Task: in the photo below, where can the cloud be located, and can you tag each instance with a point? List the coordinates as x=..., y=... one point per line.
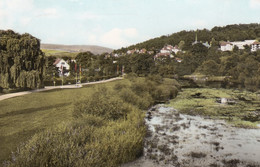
x=254, y=4
x=25, y=21
x=89, y=16
x=117, y=38
x=49, y=12
x=13, y=11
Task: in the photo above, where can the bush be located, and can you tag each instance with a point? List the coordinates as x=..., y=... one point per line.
x=129, y=96
x=102, y=104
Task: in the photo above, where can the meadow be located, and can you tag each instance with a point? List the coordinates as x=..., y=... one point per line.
x=59, y=53
x=98, y=125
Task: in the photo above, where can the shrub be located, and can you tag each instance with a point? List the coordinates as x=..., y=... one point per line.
x=102, y=104
x=129, y=96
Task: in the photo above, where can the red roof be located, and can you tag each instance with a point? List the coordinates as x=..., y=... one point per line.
x=225, y=43
x=56, y=61
x=256, y=43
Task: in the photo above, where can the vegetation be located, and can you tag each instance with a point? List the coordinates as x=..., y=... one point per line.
x=59, y=53
x=242, y=112
x=21, y=61
x=236, y=32
x=99, y=129
x=239, y=66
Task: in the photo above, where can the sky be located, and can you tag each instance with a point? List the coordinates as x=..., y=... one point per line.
x=120, y=23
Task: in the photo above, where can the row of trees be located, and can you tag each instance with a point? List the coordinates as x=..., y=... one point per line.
x=21, y=61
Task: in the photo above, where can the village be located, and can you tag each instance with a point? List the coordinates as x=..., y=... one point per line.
x=167, y=51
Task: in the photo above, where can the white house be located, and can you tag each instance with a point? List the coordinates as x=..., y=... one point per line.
x=167, y=49
x=229, y=46
x=226, y=46
x=62, y=66
x=176, y=49
x=255, y=46
x=170, y=49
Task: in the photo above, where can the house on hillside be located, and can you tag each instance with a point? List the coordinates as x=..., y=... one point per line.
x=167, y=49
x=179, y=60
x=163, y=55
x=131, y=51
x=150, y=52
x=226, y=46
x=63, y=67
x=255, y=46
x=143, y=51
x=229, y=46
x=176, y=49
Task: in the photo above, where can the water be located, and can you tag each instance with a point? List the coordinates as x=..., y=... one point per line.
x=183, y=140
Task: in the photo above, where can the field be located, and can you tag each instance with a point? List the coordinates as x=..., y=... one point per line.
x=59, y=53
x=242, y=111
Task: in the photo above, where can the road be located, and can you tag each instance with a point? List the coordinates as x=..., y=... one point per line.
x=10, y=95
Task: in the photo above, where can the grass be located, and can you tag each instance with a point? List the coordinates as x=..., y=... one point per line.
x=22, y=117
x=59, y=53
x=91, y=126
x=209, y=78
x=244, y=113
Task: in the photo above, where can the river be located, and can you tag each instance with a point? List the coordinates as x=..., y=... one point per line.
x=180, y=140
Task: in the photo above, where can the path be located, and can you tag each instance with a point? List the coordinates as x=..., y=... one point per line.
x=10, y=95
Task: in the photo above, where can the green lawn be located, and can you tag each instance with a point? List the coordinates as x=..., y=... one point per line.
x=21, y=117
x=244, y=113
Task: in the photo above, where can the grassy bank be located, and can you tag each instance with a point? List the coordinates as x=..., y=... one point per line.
x=93, y=126
x=243, y=112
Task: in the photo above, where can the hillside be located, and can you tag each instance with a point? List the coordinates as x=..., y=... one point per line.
x=77, y=48
x=235, y=32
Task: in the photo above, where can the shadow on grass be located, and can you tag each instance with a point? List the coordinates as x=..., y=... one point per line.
x=11, y=142
x=31, y=110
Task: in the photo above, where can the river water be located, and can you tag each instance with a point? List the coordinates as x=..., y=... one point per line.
x=181, y=140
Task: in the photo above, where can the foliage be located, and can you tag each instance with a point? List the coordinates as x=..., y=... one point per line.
x=21, y=61
x=107, y=129
x=235, y=32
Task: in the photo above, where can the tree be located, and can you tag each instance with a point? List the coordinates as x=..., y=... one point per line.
x=209, y=67
x=181, y=44
x=22, y=63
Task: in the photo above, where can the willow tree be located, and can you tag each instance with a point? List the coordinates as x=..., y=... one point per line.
x=21, y=61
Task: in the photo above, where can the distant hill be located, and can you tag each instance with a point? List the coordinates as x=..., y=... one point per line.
x=77, y=48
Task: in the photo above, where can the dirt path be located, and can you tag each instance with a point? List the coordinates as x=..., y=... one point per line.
x=10, y=95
